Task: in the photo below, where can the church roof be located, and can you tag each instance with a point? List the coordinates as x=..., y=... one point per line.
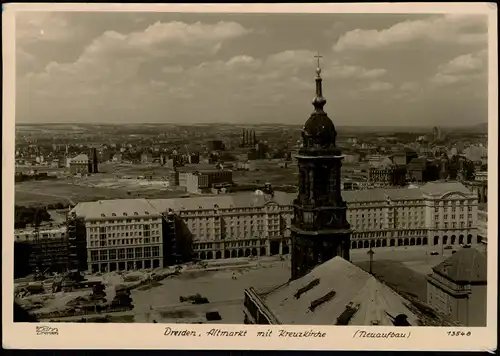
x=337, y=293
x=467, y=265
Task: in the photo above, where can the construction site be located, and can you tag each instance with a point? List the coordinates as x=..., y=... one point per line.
x=190, y=293
x=196, y=292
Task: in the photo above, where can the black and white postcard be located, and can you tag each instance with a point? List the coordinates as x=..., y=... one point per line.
x=281, y=176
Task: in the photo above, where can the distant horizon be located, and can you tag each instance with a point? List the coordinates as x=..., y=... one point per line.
x=235, y=124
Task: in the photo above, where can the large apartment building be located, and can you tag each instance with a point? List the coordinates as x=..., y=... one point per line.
x=239, y=225
x=436, y=214
x=132, y=233
x=121, y=234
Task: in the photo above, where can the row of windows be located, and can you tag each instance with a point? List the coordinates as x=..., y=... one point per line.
x=27, y=236
x=451, y=202
x=453, y=225
x=125, y=234
x=114, y=242
x=125, y=227
x=453, y=216
x=122, y=266
x=453, y=240
x=232, y=210
x=453, y=209
x=122, y=253
x=128, y=221
x=412, y=241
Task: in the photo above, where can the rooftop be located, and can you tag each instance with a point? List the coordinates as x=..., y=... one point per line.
x=440, y=188
x=199, y=167
x=82, y=157
x=467, y=265
x=141, y=206
x=119, y=207
x=381, y=194
x=337, y=293
x=154, y=207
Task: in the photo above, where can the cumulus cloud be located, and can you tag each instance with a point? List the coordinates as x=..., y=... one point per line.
x=290, y=70
x=458, y=29
x=154, y=69
x=165, y=39
x=354, y=72
x=115, y=57
x=463, y=68
x=466, y=63
x=379, y=86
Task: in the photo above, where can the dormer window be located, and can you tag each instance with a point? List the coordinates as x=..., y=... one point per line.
x=136, y=213
x=113, y=214
x=146, y=212
x=103, y=215
x=124, y=214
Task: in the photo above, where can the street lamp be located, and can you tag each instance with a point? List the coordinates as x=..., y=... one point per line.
x=371, y=253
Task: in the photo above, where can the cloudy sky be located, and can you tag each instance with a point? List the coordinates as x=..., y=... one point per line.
x=378, y=69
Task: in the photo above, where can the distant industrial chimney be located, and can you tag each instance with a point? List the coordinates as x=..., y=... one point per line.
x=93, y=161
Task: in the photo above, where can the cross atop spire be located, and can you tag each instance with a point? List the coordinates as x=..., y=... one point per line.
x=318, y=69
x=318, y=56
x=318, y=101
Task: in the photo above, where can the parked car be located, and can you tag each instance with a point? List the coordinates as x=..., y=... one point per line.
x=448, y=247
x=434, y=253
x=466, y=246
x=452, y=252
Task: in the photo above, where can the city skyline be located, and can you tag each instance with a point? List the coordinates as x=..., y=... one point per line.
x=250, y=68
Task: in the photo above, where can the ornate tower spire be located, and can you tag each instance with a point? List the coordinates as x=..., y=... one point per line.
x=320, y=230
x=319, y=102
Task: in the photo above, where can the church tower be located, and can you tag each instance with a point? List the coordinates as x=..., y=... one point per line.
x=320, y=230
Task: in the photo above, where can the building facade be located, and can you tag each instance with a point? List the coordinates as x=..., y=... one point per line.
x=457, y=287
x=45, y=250
x=80, y=164
x=437, y=214
x=198, y=181
x=387, y=176
x=229, y=226
x=121, y=235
